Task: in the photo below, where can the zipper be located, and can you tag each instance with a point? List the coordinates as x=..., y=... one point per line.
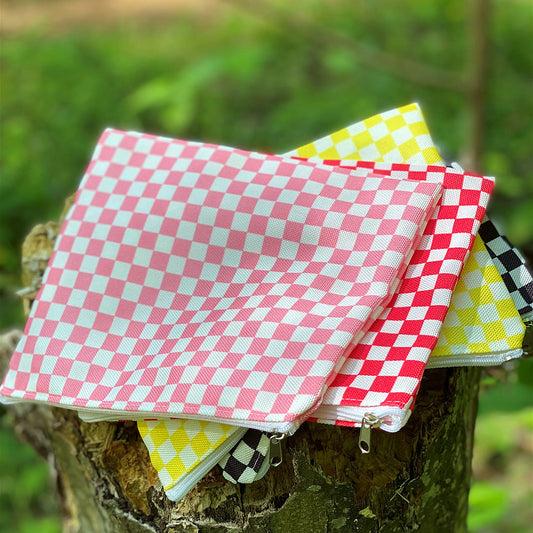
x=387, y=418
x=94, y=414
x=189, y=480
x=276, y=452
x=392, y=418
x=368, y=423
x=488, y=359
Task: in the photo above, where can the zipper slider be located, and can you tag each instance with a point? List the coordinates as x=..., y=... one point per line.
x=276, y=454
x=527, y=343
x=369, y=421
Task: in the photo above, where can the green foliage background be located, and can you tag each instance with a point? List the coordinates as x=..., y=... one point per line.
x=266, y=81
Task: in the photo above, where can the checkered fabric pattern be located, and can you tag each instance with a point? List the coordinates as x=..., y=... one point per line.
x=248, y=461
x=482, y=319
x=484, y=283
x=515, y=272
x=178, y=447
x=406, y=129
x=396, y=136
x=399, y=132
x=203, y=281
x=386, y=366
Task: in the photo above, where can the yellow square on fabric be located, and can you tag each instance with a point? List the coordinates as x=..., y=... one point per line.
x=409, y=149
x=373, y=121
x=159, y=434
x=395, y=123
x=417, y=129
x=340, y=135
x=330, y=153
x=362, y=140
x=385, y=145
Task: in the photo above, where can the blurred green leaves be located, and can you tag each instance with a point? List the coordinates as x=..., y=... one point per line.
x=501, y=495
x=488, y=505
x=26, y=503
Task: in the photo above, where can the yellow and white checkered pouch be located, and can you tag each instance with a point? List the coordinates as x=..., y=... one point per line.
x=482, y=326
x=182, y=450
x=396, y=136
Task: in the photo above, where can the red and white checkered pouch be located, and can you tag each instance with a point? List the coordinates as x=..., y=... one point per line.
x=377, y=385
x=207, y=282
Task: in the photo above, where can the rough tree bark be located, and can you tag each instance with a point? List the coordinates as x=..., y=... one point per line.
x=414, y=480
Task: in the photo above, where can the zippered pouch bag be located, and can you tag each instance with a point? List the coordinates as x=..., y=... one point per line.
x=383, y=372
x=206, y=282
x=515, y=272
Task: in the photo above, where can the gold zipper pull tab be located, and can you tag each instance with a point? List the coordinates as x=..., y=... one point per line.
x=276, y=453
x=369, y=421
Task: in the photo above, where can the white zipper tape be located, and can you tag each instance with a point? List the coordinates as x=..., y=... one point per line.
x=487, y=359
x=88, y=414
x=392, y=418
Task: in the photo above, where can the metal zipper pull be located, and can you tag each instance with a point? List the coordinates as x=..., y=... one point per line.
x=369, y=421
x=276, y=454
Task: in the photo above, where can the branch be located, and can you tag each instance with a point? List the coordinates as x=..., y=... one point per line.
x=397, y=66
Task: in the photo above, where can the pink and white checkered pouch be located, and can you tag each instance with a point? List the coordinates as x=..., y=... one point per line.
x=383, y=372
x=207, y=282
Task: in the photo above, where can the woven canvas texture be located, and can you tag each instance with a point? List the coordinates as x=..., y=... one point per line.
x=191, y=279
x=515, y=272
x=485, y=287
x=484, y=283
x=248, y=460
x=482, y=317
x=398, y=136
x=401, y=136
x=177, y=447
x=385, y=368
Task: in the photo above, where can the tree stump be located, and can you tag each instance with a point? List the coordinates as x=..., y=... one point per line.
x=416, y=479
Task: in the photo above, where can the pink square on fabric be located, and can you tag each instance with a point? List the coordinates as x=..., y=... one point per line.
x=169, y=282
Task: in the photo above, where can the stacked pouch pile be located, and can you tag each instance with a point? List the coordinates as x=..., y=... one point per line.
x=311, y=327
x=483, y=326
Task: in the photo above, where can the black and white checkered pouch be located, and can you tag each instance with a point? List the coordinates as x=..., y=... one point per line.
x=249, y=460
x=515, y=272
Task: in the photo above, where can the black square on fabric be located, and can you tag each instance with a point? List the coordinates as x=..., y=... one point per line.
x=510, y=260
x=488, y=231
